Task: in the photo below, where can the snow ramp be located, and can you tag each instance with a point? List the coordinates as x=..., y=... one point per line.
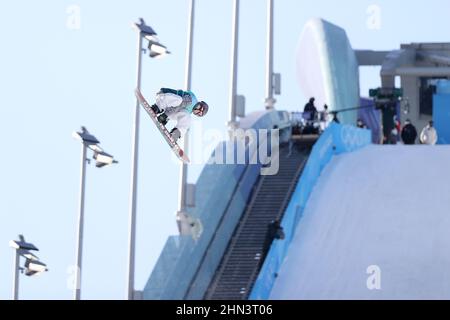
x=376, y=226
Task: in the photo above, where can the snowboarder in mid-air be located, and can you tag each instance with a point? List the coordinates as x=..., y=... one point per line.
x=178, y=105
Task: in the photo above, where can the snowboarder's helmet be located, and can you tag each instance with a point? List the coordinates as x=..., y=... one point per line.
x=200, y=109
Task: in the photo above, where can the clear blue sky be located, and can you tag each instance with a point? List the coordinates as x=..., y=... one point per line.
x=54, y=79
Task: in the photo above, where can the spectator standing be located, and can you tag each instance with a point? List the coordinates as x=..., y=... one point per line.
x=428, y=134
x=409, y=133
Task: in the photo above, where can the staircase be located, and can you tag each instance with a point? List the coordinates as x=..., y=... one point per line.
x=239, y=268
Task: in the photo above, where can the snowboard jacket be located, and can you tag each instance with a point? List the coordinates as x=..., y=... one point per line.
x=188, y=99
x=178, y=106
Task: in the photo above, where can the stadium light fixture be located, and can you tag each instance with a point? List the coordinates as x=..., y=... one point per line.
x=22, y=244
x=29, y=255
x=157, y=50
x=32, y=264
x=103, y=159
x=34, y=267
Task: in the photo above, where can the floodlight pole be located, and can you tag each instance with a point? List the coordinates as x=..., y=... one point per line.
x=15, y=291
x=269, y=101
x=234, y=55
x=187, y=86
x=79, y=253
x=134, y=167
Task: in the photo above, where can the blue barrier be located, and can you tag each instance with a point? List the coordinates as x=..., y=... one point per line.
x=336, y=139
x=441, y=111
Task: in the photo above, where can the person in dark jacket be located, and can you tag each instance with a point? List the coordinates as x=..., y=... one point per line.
x=310, y=110
x=409, y=133
x=274, y=231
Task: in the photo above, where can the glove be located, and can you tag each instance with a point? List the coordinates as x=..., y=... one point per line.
x=176, y=134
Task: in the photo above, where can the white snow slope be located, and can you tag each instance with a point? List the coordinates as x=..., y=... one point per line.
x=378, y=216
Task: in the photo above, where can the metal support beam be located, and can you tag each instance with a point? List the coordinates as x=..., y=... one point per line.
x=269, y=101
x=133, y=192
x=423, y=71
x=15, y=289
x=79, y=256
x=187, y=86
x=233, y=78
x=434, y=58
x=370, y=57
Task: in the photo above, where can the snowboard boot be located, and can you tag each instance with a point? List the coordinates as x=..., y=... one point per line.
x=162, y=118
x=155, y=109
x=176, y=134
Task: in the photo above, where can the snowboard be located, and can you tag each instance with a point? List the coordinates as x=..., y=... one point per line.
x=165, y=133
